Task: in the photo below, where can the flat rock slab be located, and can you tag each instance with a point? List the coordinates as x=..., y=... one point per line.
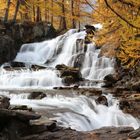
x=18, y=114
x=105, y=133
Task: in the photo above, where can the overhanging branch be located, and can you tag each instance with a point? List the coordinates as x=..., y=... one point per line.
x=120, y=15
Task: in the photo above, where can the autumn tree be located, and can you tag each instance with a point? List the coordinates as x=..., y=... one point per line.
x=63, y=17
x=16, y=10
x=72, y=14
x=121, y=21
x=7, y=11
x=61, y=13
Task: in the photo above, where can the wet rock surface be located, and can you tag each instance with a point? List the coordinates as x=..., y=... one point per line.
x=4, y=102
x=37, y=95
x=106, y=133
x=134, y=134
x=110, y=80
x=7, y=49
x=102, y=100
x=79, y=60
x=68, y=74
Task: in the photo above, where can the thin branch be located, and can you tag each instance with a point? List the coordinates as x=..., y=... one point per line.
x=120, y=15
x=127, y=3
x=94, y=8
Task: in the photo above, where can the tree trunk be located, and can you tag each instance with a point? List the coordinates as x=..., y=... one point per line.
x=34, y=15
x=63, y=25
x=16, y=11
x=78, y=14
x=7, y=11
x=46, y=12
x=72, y=14
x=52, y=12
x=38, y=15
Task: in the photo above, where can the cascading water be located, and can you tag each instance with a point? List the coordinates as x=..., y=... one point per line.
x=68, y=49
x=28, y=78
x=79, y=112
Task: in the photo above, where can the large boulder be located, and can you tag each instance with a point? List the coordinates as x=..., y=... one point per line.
x=68, y=74
x=102, y=100
x=110, y=80
x=68, y=80
x=37, y=95
x=4, y=102
x=7, y=49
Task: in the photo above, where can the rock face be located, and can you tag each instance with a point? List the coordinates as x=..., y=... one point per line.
x=12, y=36
x=4, y=102
x=129, y=83
x=79, y=60
x=69, y=75
x=136, y=86
x=124, y=104
x=7, y=49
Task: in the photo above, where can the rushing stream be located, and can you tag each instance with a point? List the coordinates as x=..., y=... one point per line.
x=81, y=113
x=78, y=112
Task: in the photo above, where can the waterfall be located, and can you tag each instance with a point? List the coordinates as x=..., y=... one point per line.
x=28, y=78
x=68, y=49
x=79, y=112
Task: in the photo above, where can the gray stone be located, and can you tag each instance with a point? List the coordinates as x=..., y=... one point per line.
x=4, y=102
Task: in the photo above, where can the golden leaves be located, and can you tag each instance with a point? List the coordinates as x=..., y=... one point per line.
x=128, y=36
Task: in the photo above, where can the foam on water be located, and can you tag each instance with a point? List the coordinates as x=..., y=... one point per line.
x=28, y=78
x=81, y=113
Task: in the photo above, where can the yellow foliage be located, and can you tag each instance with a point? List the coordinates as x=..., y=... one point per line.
x=48, y=9
x=121, y=20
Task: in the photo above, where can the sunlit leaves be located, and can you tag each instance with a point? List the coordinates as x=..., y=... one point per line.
x=128, y=31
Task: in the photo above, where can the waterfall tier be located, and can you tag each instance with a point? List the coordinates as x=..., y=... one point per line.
x=69, y=49
x=78, y=112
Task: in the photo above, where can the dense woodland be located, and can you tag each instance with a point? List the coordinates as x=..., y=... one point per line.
x=61, y=13
x=120, y=20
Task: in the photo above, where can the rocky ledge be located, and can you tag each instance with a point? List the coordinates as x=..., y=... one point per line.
x=68, y=74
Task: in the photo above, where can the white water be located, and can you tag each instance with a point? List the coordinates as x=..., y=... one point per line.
x=61, y=50
x=28, y=78
x=80, y=112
